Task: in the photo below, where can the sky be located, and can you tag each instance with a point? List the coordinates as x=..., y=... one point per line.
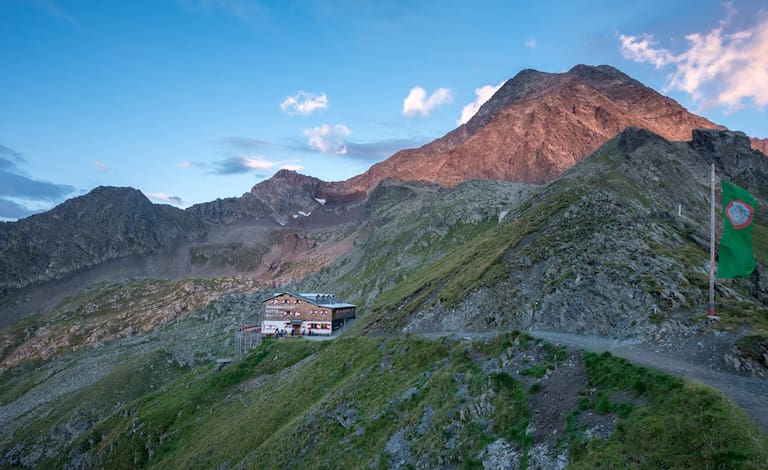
x=193, y=100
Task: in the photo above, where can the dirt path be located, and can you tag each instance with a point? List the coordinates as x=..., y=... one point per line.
x=692, y=360
x=750, y=393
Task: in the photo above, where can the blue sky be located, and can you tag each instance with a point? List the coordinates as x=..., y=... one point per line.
x=191, y=100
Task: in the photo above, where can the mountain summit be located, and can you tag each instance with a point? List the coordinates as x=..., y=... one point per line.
x=536, y=126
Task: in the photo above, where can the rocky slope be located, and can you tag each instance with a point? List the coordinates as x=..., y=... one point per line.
x=593, y=252
x=105, y=224
x=601, y=251
x=288, y=198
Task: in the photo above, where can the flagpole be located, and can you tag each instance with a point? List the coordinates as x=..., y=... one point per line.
x=712, y=246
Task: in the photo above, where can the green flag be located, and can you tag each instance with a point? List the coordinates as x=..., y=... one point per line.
x=735, y=258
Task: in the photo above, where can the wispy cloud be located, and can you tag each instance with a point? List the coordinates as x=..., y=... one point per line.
x=9, y=153
x=168, y=199
x=719, y=68
x=327, y=139
x=642, y=49
x=10, y=210
x=100, y=166
x=379, y=150
x=247, y=144
x=304, y=103
x=417, y=101
x=482, y=94
x=240, y=156
x=531, y=43
x=15, y=186
x=241, y=165
x=366, y=151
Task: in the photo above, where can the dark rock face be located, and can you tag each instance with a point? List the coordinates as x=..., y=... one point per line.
x=107, y=223
x=230, y=210
x=286, y=195
x=734, y=156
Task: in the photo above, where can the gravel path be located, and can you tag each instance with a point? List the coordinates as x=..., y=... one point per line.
x=695, y=358
x=750, y=393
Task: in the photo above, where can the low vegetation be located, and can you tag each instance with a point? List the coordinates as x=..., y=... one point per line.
x=364, y=402
x=665, y=422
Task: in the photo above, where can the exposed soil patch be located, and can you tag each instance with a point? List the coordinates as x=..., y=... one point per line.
x=557, y=397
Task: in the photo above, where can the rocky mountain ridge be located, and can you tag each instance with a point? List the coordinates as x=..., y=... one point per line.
x=107, y=223
x=535, y=127
x=592, y=252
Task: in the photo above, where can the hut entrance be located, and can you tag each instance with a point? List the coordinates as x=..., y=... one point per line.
x=296, y=325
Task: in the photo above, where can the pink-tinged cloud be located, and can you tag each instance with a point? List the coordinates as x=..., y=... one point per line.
x=327, y=139
x=718, y=68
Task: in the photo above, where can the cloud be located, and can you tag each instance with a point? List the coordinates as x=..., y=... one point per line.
x=482, y=94
x=718, y=68
x=243, y=143
x=168, y=199
x=531, y=43
x=379, y=150
x=640, y=49
x=417, y=102
x=9, y=153
x=327, y=139
x=10, y=210
x=185, y=165
x=304, y=103
x=14, y=185
x=241, y=165
x=100, y=166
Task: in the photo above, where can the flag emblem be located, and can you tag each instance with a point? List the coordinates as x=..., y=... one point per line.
x=740, y=214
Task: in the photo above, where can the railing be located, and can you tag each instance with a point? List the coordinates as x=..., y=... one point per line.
x=246, y=340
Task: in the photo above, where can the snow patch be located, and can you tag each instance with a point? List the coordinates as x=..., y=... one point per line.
x=305, y=214
x=320, y=201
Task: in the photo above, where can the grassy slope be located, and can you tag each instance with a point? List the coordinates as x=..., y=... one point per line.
x=298, y=403
x=682, y=425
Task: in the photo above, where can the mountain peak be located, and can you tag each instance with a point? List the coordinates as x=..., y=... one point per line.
x=599, y=72
x=536, y=126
